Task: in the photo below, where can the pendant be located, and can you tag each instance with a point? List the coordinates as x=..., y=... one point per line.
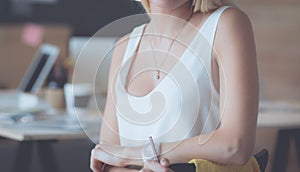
x=157, y=75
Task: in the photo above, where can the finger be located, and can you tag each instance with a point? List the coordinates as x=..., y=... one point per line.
x=152, y=165
x=157, y=167
x=95, y=165
x=145, y=170
x=164, y=162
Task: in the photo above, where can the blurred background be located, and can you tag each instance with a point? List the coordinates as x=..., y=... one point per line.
x=26, y=24
x=276, y=25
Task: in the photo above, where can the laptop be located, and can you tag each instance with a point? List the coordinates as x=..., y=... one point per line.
x=14, y=101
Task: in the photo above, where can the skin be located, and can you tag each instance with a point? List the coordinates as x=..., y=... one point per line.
x=162, y=166
x=235, y=76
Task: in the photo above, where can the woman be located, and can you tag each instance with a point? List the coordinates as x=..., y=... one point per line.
x=216, y=116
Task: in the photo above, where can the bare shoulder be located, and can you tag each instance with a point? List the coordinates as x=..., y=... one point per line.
x=121, y=45
x=119, y=51
x=234, y=24
x=231, y=17
x=123, y=40
x=235, y=18
x=234, y=27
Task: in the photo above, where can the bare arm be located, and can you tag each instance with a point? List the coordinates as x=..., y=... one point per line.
x=233, y=142
x=109, y=128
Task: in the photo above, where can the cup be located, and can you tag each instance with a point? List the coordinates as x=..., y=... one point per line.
x=55, y=97
x=77, y=97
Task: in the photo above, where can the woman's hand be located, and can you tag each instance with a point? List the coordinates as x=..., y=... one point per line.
x=154, y=166
x=116, y=155
x=106, y=154
x=109, y=154
x=96, y=165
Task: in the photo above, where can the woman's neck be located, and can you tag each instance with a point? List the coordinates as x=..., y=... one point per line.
x=170, y=8
x=168, y=20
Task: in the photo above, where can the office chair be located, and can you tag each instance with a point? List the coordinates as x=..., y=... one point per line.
x=261, y=157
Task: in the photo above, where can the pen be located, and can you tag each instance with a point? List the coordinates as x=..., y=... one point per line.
x=153, y=149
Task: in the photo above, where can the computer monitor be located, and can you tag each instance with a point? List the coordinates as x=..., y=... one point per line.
x=93, y=57
x=39, y=68
x=95, y=54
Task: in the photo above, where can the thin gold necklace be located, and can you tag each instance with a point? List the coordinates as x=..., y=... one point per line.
x=158, y=69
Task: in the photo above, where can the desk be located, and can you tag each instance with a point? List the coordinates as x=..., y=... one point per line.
x=53, y=129
x=41, y=135
x=282, y=115
x=279, y=114
x=286, y=117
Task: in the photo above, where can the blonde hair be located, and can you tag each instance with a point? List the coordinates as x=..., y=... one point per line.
x=203, y=6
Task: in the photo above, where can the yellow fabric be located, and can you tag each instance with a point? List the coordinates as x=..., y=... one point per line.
x=208, y=166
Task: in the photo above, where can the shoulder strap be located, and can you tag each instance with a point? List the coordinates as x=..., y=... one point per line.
x=210, y=26
x=133, y=42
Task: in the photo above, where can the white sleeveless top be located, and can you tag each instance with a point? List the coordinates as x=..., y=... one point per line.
x=185, y=102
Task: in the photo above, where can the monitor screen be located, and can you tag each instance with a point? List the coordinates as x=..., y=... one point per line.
x=39, y=68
